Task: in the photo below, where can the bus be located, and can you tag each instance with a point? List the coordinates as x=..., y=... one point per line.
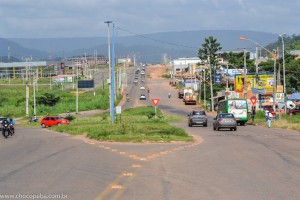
x=238, y=107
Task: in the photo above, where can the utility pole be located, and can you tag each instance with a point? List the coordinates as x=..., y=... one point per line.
x=204, y=91
x=76, y=89
x=211, y=86
x=275, y=82
x=27, y=88
x=113, y=76
x=109, y=67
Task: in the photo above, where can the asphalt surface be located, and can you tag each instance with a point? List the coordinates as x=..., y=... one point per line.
x=253, y=162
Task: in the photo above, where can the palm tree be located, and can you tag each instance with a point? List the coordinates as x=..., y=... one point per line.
x=208, y=53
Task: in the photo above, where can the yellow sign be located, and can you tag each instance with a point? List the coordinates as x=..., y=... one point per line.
x=266, y=81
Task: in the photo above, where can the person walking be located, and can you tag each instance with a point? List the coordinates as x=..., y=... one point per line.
x=269, y=119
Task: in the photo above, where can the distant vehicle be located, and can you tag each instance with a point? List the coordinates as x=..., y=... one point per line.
x=197, y=117
x=180, y=94
x=142, y=88
x=142, y=73
x=237, y=107
x=143, y=97
x=135, y=82
x=225, y=120
x=189, y=97
x=53, y=121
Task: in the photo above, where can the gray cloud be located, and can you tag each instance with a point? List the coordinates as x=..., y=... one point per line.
x=80, y=18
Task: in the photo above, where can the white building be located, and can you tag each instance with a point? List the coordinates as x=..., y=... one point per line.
x=180, y=64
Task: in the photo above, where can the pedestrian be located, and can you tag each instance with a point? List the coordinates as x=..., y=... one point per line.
x=269, y=119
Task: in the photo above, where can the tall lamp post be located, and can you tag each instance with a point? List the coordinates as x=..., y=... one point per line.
x=109, y=66
x=256, y=56
x=283, y=68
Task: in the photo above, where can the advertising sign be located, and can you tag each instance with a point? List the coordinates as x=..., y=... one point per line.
x=218, y=77
x=238, y=107
x=62, y=79
x=279, y=97
x=266, y=81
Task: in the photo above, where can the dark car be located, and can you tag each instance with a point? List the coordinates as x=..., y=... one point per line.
x=225, y=120
x=53, y=121
x=197, y=117
x=293, y=112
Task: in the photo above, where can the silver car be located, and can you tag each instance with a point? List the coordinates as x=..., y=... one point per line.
x=197, y=117
x=225, y=120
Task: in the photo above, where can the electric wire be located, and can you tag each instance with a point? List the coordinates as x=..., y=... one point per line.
x=156, y=40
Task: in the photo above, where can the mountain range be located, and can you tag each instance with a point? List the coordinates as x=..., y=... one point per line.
x=148, y=48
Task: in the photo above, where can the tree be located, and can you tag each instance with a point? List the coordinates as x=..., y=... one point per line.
x=48, y=99
x=208, y=53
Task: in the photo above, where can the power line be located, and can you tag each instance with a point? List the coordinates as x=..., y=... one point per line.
x=159, y=41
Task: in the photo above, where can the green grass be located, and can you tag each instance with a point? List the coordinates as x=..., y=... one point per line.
x=287, y=122
x=13, y=97
x=134, y=126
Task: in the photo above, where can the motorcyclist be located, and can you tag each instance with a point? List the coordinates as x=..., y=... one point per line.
x=11, y=123
x=127, y=97
x=4, y=122
x=169, y=95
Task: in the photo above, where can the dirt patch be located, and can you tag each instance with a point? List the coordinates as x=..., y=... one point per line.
x=156, y=71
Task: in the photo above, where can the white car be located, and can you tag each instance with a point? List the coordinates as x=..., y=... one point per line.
x=143, y=97
x=142, y=88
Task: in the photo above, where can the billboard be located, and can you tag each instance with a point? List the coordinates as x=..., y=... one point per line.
x=265, y=81
x=62, y=79
x=218, y=77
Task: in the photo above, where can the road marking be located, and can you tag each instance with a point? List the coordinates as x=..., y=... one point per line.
x=117, y=187
x=136, y=166
x=127, y=174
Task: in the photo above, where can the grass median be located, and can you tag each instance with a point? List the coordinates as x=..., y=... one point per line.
x=134, y=125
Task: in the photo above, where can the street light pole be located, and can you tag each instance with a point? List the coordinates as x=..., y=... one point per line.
x=109, y=66
x=245, y=75
x=283, y=68
x=256, y=57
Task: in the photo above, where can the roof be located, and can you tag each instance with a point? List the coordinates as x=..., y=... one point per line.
x=294, y=96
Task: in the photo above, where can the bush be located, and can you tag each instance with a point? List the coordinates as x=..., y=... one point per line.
x=150, y=115
x=70, y=117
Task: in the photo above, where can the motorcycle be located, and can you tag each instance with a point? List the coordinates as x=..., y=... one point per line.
x=169, y=95
x=6, y=131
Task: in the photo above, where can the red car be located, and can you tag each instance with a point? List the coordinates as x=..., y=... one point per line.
x=53, y=121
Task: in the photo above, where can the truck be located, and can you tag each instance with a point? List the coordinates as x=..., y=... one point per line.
x=189, y=97
x=180, y=94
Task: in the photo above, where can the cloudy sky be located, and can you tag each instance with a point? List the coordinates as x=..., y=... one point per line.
x=85, y=18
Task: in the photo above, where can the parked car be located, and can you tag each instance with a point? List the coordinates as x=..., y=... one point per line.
x=197, y=117
x=225, y=120
x=53, y=121
x=1, y=119
x=143, y=97
x=293, y=112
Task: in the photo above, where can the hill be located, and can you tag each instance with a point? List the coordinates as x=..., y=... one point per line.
x=148, y=47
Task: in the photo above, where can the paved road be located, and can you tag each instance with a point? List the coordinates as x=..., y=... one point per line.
x=251, y=163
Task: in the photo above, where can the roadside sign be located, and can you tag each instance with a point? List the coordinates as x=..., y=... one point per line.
x=118, y=110
x=155, y=101
x=281, y=105
x=253, y=100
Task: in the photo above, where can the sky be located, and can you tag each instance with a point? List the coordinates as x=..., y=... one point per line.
x=85, y=18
